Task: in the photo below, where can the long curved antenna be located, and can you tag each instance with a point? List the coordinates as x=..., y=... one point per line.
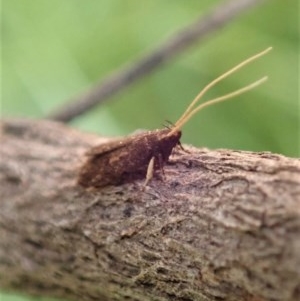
x=218, y=79
x=214, y=101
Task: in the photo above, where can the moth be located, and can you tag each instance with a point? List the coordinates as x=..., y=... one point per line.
x=140, y=156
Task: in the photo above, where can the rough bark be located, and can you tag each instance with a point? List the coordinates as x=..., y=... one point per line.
x=223, y=225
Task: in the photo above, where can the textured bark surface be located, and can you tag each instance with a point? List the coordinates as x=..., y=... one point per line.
x=223, y=225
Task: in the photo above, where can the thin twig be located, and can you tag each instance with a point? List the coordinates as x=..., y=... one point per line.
x=219, y=17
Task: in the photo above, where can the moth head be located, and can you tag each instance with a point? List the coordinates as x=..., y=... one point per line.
x=167, y=142
x=165, y=134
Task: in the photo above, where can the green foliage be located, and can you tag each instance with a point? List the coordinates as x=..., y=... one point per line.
x=56, y=49
x=12, y=297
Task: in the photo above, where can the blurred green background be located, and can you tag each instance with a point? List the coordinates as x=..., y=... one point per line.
x=53, y=50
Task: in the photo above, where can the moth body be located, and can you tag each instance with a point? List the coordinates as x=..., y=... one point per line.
x=127, y=159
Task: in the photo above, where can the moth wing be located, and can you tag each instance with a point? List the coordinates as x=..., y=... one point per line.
x=113, y=145
x=105, y=148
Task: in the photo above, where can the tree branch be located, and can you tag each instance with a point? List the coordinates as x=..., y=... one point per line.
x=224, y=225
x=180, y=41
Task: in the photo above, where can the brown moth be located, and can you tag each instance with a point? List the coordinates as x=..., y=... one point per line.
x=139, y=156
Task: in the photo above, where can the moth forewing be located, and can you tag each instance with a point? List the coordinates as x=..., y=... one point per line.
x=128, y=159
x=104, y=148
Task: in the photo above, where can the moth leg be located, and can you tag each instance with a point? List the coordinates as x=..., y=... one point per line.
x=182, y=148
x=150, y=171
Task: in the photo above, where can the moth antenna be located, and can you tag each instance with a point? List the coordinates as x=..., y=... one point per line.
x=217, y=100
x=214, y=82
